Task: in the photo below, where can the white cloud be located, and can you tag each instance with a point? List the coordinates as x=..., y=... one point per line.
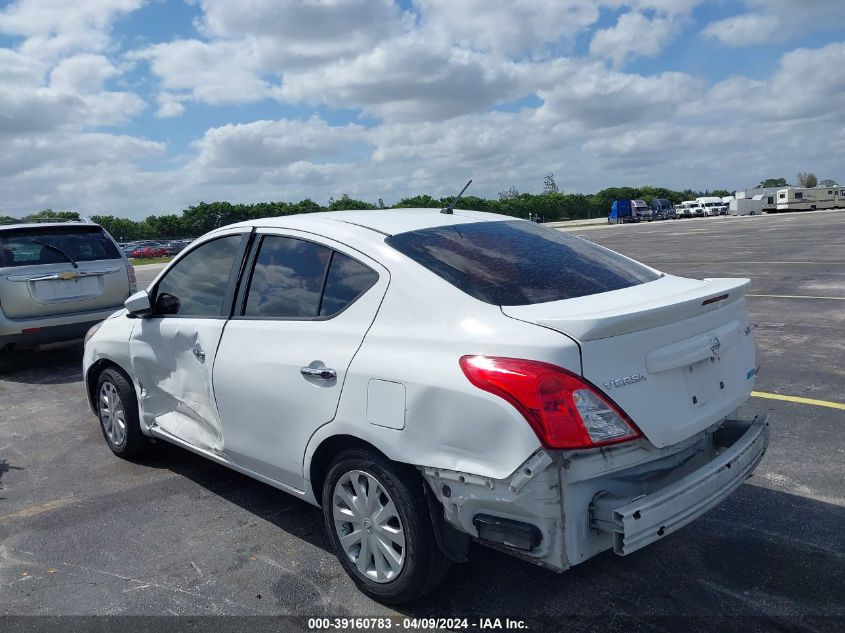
x=278, y=143
x=488, y=90
x=55, y=27
x=633, y=35
x=507, y=26
x=82, y=73
x=808, y=84
x=291, y=33
x=776, y=20
x=74, y=171
x=408, y=78
x=742, y=30
x=216, y=73
x=598, y=98
x=72, y=98
x=169, y=105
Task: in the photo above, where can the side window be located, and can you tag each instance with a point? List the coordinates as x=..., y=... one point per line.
x=196, y=285
x=287, y=280
x=347, y=281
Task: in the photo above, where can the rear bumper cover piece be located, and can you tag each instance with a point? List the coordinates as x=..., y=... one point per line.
x=50, y=329
x=635, y=523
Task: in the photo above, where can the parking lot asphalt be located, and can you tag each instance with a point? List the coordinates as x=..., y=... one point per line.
x=83, y=532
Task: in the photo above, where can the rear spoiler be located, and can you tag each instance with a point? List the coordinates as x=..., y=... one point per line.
x=657, y=303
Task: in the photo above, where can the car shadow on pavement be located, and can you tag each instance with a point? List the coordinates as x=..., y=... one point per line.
x=760, y=554
x=56, y=366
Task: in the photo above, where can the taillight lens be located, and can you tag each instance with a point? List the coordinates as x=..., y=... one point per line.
x=564, y=410
x=133, y=282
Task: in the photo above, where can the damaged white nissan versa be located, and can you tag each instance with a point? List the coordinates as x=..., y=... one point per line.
x=428, y=378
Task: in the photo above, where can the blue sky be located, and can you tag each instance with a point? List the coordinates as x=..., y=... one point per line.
x=144, y=106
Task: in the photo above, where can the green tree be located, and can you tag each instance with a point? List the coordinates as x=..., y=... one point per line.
x=773, y=182
x=47, y=214
x=346, y=203
x=423, y=201
x=807, y=179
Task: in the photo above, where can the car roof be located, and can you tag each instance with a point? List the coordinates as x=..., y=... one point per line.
x=384, y=221
x=17, y=226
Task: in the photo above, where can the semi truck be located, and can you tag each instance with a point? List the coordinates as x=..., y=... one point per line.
x=620, y=212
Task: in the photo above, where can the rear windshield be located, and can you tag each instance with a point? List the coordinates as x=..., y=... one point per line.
x=518, y=263
x=53, y=245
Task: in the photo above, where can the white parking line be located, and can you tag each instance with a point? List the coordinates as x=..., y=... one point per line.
x=797, y=297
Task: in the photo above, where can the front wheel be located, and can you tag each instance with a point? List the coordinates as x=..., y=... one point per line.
x=117, y=409
x=378, y=521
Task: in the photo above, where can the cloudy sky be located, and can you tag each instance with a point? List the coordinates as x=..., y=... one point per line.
x=135, y=107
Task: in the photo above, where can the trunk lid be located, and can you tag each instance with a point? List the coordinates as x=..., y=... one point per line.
x=677, y=355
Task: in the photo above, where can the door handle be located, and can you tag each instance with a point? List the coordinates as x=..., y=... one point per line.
x=318, y=373
x=198, y=353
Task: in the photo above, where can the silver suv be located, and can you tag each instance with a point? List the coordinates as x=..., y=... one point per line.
x=57, y=279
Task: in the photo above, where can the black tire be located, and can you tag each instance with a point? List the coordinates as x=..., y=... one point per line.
x=133, y=442
x=425, y=566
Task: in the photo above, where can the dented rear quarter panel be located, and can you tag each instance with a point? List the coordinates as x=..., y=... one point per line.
x=449, y=423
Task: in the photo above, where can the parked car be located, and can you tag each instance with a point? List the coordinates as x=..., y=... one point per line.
x=175, y=247
x=430, y=378
x=56, y=280
x=662, y=209
x=148, y=252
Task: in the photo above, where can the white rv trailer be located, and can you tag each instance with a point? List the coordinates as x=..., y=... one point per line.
x=748, y=206
x=767, y=194
x=809, y=199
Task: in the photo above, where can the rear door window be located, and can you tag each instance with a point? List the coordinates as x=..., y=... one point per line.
x=297, y=279
x=55, y=245
x=288, y=278
x=519, y=263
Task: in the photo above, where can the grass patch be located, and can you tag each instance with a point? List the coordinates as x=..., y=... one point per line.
x=140, y=261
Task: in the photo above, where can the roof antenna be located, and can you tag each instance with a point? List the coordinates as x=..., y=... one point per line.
x=449, y=210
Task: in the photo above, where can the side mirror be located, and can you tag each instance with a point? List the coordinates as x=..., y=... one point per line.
x=138, y=305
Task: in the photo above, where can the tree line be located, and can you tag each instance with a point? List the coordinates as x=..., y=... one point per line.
x=551, y=205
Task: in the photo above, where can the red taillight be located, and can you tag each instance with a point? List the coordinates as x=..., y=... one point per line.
x=564, y=410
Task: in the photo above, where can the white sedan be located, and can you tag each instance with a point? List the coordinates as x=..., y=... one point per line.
x=428, y=378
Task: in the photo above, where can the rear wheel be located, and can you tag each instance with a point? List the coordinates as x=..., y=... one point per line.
x=117, y=409
x=377, y=517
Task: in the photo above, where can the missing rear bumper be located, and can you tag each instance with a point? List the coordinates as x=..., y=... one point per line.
x=635, y=523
